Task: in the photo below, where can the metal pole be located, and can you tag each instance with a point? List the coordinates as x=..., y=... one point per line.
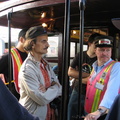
x=9, y=49
x=81, y=39
x=66, y=59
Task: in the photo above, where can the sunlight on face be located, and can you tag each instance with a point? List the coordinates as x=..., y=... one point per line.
x=41, y=45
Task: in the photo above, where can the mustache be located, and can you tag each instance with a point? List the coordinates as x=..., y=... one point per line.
x=104, y=56
x=46, y=48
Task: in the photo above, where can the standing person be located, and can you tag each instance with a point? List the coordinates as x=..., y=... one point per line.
x=38, y=83
x=88, y=58
x=104, y=82
x=114, y=112
x=10, y=109
x=18, y=55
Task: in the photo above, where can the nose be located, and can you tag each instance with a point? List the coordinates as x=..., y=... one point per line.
x=48, y=44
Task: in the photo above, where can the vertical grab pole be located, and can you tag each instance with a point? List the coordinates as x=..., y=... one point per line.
x=9, y=49
x=81, y=39
x=66, y=59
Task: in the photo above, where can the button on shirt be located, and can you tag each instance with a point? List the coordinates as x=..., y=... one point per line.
x=113, y=86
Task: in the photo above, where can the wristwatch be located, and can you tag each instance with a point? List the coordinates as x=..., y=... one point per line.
x=101, y=111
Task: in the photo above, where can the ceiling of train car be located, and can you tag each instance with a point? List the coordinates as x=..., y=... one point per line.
x=3, y=0
x=96, y=13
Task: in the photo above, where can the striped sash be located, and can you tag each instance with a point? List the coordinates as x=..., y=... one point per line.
x=98, y=92
x=94, y=95
x=17, y=62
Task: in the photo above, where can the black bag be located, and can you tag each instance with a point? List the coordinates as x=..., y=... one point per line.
x=55, y=104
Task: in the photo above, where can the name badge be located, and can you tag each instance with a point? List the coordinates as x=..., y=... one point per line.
x=99, y=86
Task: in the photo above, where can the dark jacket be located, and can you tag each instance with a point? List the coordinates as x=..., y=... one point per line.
x=114, y=113
x=10, y=109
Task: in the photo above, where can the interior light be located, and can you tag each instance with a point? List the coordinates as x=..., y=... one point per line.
x=74, y=32
x=44, y=24
x=43, y=14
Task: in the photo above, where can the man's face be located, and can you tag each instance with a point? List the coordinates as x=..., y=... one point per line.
x=41, y=45
x=103, y=54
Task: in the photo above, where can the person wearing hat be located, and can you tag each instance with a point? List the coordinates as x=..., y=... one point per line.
x=37, y=81
x=18, y=55
x=88, y=58
x=114, y=112
x=103, y=84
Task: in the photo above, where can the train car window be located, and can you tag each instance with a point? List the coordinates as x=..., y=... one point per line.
x=72, y=49
x=85, y=46
x=4, y=38
x=52, y=55
x=53, y=49
x=2, y=47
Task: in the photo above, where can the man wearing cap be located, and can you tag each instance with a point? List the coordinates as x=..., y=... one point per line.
x=37, y=81
x=18, y=55
x=114, y=113
x=104, y=82
x=89, y=57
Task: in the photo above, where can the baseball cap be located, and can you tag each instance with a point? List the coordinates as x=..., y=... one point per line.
x=34, y=32
x=104, y=41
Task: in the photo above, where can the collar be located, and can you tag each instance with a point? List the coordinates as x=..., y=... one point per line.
x=95, y=65
x=43, y=61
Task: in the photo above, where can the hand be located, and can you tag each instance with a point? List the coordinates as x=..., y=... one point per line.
x=53, y=83
x=84, y=75
x=93, y=116
x=42, y=88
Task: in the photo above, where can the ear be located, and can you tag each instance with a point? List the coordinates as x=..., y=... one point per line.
x=22, y=40
x=89, y=43
x=95, y=50
x=32, y=44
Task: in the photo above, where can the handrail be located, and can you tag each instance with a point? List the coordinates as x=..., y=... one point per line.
x=9, y=49
x=66, y=59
